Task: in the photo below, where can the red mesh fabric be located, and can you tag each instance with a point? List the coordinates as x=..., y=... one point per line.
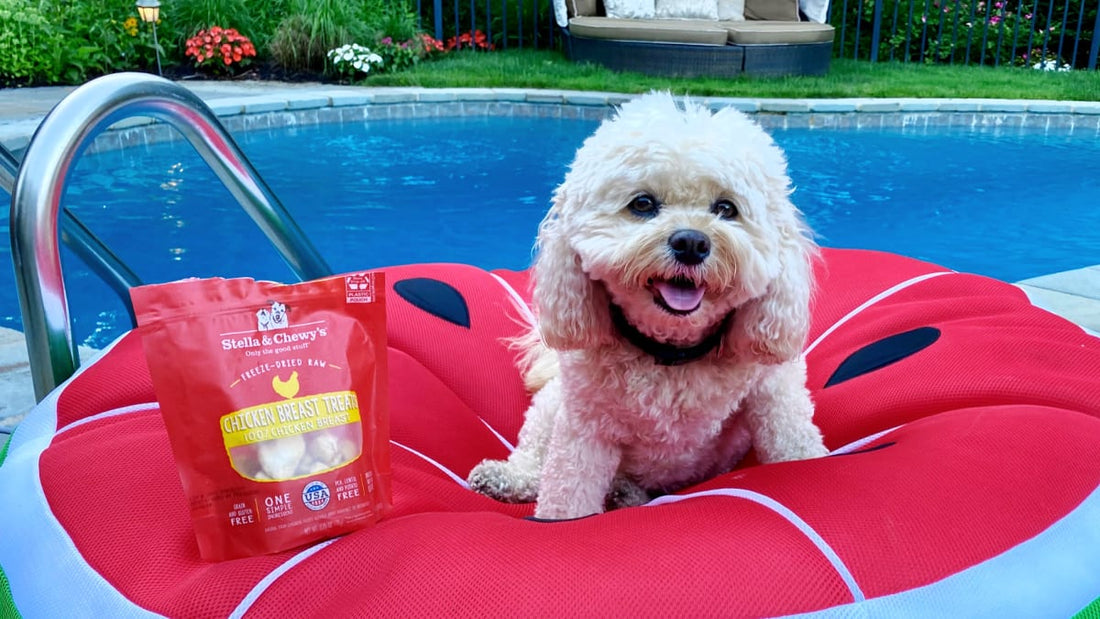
x=425, y=490
x=420, y=400
x=953, y=490
x=476, y=362
x=726, y=557
x=113, y=485
x=119, y=379
x=847, y=278
x=994, y=348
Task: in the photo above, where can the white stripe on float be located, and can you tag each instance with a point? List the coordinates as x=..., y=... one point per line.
x=787, y=514
x=869, y=302
x=447, y=471
x=265, y=583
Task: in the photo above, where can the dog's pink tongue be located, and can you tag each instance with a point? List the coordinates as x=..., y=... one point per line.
x=680, y=298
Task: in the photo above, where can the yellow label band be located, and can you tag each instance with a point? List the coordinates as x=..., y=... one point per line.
x=291, y=417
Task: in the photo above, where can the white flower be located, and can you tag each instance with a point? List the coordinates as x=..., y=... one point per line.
x=359, y=58
x=1051, y=65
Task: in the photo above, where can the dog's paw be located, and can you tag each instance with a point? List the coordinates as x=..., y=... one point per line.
x=812, y=447
x=503, y=481
x=625, y=493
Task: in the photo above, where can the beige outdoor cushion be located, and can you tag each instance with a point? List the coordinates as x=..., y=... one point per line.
x=772, y=10
x=758, y=32
x=663, y=30
x=581, y=7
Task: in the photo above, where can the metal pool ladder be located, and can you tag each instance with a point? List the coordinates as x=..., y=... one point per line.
x=39, y=183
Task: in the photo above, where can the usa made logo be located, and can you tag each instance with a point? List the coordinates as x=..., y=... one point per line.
x=316, y=495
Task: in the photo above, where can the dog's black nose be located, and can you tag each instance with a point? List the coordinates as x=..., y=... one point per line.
x=689, y=247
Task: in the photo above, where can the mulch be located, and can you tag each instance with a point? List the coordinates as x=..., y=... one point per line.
x=267, y=70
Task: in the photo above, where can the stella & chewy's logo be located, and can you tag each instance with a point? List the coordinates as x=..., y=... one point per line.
x=359, y=288
x=273, y=321
x=315, y=495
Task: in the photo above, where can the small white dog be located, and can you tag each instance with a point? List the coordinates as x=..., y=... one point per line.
x=672, y=288
x=278, y=316
x=263, y=319
x=271, y=319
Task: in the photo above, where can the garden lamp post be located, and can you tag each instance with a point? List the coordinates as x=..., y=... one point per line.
x=149, y=11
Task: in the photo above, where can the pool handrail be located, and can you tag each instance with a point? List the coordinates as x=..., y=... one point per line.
x=9, y=167
x=81, y=241
x=63, y=135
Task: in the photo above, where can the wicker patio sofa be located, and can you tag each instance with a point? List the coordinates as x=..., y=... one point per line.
x=694, y=38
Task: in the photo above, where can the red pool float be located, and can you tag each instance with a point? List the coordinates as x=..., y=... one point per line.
x=964, y=479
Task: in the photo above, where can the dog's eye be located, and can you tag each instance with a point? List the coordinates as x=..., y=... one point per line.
x=644, y=205
x=724, y=209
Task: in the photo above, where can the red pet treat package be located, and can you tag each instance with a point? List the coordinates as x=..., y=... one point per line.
x=274, y=397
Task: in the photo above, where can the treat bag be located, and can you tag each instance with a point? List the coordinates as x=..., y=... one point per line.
x=274, y=398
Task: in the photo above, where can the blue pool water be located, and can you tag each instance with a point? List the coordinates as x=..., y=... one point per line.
x=473, y=190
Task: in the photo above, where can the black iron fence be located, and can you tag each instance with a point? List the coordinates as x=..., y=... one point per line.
x=505, y=23
x=1047, y=34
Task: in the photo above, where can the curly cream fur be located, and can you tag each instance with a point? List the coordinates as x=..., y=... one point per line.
x=608, y=426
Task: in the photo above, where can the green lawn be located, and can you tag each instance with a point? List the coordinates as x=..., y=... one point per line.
x=846, y=78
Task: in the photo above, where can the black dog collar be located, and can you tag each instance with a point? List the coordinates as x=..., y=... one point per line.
x=662, y=353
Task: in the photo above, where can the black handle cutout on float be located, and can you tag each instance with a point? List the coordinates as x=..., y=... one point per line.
x=884, y=352
x=438, y=298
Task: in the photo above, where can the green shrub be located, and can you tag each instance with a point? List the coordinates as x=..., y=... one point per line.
x=266, y=15
x=256, y=19
x=27, y=44
x=290, y=44
x=395, y=19
x=99, y=37
x=194, y=15
x=313, y=28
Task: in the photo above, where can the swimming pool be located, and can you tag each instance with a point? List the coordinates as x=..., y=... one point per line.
x=473, y=190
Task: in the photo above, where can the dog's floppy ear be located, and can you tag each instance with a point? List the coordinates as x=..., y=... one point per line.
x=573, y=311
x=773, y=327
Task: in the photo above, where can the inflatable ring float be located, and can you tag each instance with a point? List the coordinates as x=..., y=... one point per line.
x=964, y=481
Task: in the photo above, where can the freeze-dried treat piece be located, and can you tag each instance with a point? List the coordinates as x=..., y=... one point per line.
x=279, y=457
x=324, y=446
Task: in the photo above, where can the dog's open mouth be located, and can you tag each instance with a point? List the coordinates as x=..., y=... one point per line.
x=679, y=295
